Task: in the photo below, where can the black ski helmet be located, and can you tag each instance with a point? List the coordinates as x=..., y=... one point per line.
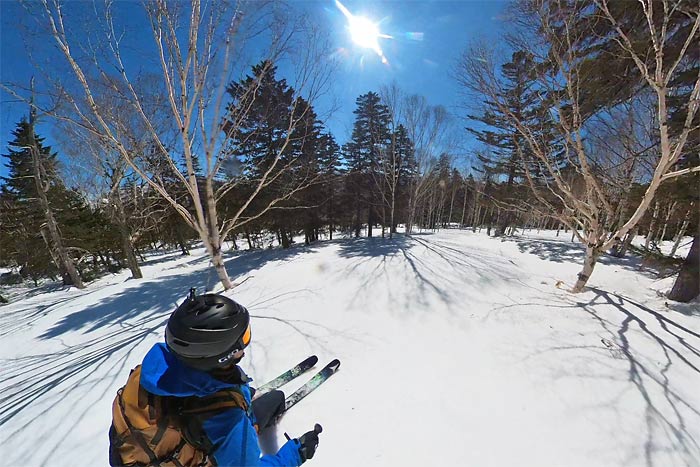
x=207, y=330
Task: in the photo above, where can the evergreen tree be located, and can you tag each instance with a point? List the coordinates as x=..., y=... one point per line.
x=364, y=153
x=29, y=212
x=278, y=140
x=407, y=170
x=20, y=180
x=325, y=195
x=262, y=136
x=508, y=149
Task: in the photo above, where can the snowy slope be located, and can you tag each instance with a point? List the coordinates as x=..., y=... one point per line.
x=457, y=349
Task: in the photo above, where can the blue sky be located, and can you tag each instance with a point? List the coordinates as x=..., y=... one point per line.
x=428, y=37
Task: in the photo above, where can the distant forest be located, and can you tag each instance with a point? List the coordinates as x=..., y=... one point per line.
x=588, y=125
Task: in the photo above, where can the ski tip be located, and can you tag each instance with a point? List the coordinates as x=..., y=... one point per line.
x=334, y=364
x=312, y=360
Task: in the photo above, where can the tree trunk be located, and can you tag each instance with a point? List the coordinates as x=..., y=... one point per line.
x=687, y=285
x=125, y=237
x=487, y=218
x=52, y=252
x=592, y=254
x=452, y=202
x=620, y=249
x=669, y=213
x=370, y=220
x=65, y=263
x=681, y=232
x=652, y=226
x=392, y=226
x=217, y=261
x=212, y=237
x=130, y=256
x=285, y=239
x=476, y=215
x=182, y=243
x=383, y=220
x=411, y=210
x=464, y=208
x=358, y=223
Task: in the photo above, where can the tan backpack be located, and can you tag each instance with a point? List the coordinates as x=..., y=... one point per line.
x=151, y=430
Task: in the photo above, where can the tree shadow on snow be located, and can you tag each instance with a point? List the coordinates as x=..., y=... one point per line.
x=429, y=264
x=129, y=316
x=563, y=251
x=241, y=263
x=41, y=381
x=666, y=411
x=149, y=297
x=372, y=247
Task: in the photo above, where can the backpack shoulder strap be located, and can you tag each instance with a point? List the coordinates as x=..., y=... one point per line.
x=216, y=402
x=196, y=410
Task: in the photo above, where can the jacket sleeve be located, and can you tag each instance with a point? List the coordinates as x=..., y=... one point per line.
x=236, y=443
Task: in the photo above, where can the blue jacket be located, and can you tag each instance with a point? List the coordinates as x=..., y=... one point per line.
x=231, y=432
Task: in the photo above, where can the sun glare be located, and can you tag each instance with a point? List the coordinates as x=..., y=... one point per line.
x=363, y=31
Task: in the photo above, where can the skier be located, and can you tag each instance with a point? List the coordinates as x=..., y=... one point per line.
x=189, y=403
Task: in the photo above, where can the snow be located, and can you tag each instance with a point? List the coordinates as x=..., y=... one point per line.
x=456, y=349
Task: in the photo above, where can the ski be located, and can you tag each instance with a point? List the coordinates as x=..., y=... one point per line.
x=320, y=377
x=287, y=376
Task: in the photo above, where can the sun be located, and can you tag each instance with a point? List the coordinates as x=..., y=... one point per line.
x=364, y=32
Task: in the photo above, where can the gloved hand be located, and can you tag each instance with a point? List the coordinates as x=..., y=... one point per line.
x=309, y=443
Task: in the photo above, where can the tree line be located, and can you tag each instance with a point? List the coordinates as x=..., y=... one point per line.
x=590, y=126
x=279, y=182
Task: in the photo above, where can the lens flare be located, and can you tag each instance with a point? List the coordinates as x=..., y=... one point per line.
x=364, y=32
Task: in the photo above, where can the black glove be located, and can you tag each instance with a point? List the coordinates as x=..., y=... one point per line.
x=309, y=443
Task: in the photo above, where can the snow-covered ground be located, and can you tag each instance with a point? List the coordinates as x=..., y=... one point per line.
x=457, y=349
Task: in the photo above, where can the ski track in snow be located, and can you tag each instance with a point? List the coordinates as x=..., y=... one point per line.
x=457, y=349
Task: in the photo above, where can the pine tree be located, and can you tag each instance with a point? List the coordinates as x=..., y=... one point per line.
x=364, y=153
x=405, y=154
x=262, y=135
x=507, y=146
x=21, y=244
x=33, y=184
x=278, y=141
x=328, y=192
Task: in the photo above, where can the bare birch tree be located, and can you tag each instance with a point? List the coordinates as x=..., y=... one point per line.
x=427, y=128
x=556, y=40
x=392, y=163
x=198, y=48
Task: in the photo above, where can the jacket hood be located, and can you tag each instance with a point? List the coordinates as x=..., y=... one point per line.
x=163, y=374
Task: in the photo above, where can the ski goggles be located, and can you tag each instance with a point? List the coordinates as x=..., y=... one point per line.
x=240, y=344
x=242, y=341
x=245, y=338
